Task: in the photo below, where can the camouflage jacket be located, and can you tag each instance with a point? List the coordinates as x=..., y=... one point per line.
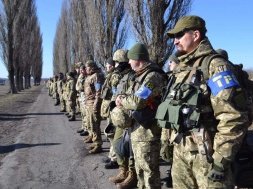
x=59, y=86
x=80, y=83
x=136, y=100
x=229, y=123
x=92, y=89
x=70, y=89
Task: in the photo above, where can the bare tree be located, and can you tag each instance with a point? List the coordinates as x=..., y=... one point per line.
x=107, y=28
x=9, y=11
x=151, y=19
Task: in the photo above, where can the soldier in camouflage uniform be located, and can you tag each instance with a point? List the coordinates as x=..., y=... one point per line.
x=207, y=116
x=121, y=119
x=142, y=99
x=55, y=91
x=92, y=91
x=108, y=90
x=51, y=87
x=77, y=73
x=71, y=95
x=81, y=99
x=60, y=84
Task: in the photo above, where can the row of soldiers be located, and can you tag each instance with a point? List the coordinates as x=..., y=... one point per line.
x=203, y=118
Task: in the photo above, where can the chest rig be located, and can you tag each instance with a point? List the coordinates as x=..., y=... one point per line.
x=185, y=107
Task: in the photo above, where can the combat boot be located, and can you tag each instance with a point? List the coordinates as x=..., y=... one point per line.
x=69, y=115
x=120, y=177
x=96, y=149
x=66, y=113
x=90, y=147
x=88, y=139
x=62, y=110
x=130, y=181
x=72, y=118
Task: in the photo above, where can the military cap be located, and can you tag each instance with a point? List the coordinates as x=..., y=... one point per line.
x=110, y=61
x=174, y=58
x=90, y=63
x=188, y=22
x=223, y=53
x=71, y=74
x=120, y=55
x=138, y=52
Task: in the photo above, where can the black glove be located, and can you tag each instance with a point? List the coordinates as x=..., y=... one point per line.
x=216, y=172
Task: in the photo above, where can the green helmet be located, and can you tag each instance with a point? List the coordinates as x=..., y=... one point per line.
x=120, y=55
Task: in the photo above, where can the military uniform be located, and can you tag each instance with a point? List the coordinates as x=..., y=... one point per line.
x=108, y=90
x=60, y=89
x=92, y=91
x=81, y=98
x=207, y=117
x=141, y=99
x=71, y=95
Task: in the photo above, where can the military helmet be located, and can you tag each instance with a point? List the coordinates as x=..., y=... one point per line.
x=90, y=63
x=121, y=118
x=120, y=55
x=223, y=52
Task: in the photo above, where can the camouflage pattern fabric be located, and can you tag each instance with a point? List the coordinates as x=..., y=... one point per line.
x=146, y=155
x=60, y=89
x=232, y=124
x=189, y=171
x=71, y=95
x=93, y=125
x=145, y=141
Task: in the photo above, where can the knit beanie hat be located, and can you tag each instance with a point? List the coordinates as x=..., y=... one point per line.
x=110, y=61
x=138, y=52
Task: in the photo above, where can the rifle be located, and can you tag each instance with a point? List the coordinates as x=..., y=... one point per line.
x=167, y=89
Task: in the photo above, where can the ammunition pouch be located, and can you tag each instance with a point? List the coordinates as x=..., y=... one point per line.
x=180, y=110
x=106, y=93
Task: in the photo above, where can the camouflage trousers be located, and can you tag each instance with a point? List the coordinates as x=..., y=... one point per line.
x=146, y=155
x=83, y=115
x=62, y=103
x=189, y=171
x=125, y=162
x=78, y=105
x=72, y=106
x=93, y=121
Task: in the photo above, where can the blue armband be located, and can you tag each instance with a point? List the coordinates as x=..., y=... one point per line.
x=222, y=80
x=114, y=90
x=143, y=92
x=97, y=86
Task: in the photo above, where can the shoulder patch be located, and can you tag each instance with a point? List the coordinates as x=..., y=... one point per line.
x=150, y=85
x=97, y=86
x=222, y=80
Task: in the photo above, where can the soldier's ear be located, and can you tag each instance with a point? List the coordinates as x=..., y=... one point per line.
x=196, y=35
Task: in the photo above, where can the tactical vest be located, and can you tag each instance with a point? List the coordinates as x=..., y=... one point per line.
x=185, y=107
x=125, y=83
x=106, y=91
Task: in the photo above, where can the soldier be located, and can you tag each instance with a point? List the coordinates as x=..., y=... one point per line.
x=142, y=99
x=51, y=87
x=126, y=178
x=77, y=73
x=207, y=115
x=55, y=91
x=108, y=90
x=81, y=99
x=71, y=95
x=60, y=84
x=92, y=91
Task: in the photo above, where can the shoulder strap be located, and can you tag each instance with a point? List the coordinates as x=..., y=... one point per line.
x=152, y=70
x=206, y=63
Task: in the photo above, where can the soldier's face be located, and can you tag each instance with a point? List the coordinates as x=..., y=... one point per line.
x=108, y=67
x=88, y=69
x=134, y=64
x=186, y=41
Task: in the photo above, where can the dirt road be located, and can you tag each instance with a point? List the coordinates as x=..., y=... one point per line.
x=41, y=149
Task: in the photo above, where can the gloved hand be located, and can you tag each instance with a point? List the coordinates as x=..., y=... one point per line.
x=166, y=151
x=216, y=172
